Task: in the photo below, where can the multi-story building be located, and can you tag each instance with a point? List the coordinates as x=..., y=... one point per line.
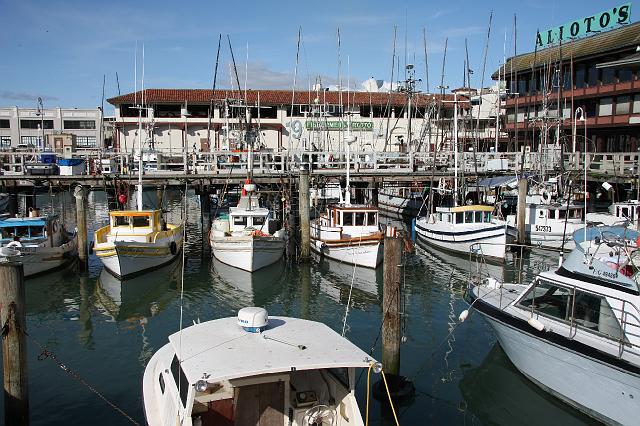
x=31, y=128
x=279, y=119
x=599, y=74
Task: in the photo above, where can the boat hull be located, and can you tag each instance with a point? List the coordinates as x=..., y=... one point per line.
x=400, y=205
x=127, y=260
x=489, y=241
x=600, y=390
x=367, y=253
x=247, y=253
x=39, y=260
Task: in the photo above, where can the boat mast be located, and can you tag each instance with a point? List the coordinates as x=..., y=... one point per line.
x=455, y=148
x=140, y=163
x=349, y=139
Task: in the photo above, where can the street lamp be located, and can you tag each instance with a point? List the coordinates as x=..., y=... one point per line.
x=583, y=118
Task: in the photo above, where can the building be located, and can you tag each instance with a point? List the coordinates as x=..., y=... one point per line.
x=278, y=120
x=599, y=74
x=31, y=128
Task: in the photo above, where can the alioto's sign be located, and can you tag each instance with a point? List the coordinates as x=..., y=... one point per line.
x=338, y=125
x=593, y=24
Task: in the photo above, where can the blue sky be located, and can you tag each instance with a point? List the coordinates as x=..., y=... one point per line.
x=60, y=50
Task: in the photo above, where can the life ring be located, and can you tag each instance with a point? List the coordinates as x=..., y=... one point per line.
x=545, y=197
x=173, y=247
x=54, y=227
x=13, y=244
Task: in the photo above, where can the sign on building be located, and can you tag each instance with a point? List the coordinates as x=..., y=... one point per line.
x=582, y=27
x=338, y=125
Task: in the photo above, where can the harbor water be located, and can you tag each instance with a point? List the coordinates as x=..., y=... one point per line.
x=99, y=332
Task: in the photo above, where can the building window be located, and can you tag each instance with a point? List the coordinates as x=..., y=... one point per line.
x=622, y=105
x=36, y=124
x=608, y=75
x=605, y=107
x=592, y=76
x=5, y=124
x=30, y=141
x=79, y=124
x=5, y=141
x=636, y=104
x=625, y=74
x=580, y=77
x=85, y=141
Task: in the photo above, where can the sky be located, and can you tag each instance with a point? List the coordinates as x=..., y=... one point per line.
x=61, y=50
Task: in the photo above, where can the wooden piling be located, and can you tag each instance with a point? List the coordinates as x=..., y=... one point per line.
x=14, y=347
x=81, y=224
x=391, y=299
x=522, y=207
x=303, y=208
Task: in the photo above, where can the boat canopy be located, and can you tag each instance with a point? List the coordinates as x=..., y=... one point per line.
x=16, y=221
x=619, y=233
x=222, y=350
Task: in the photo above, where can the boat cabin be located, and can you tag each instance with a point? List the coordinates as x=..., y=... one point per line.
x=559, y=211
x=29, y=230
x=629, y=210
x=463, y=214
x=133, y=225
x=353, y=216
x=217, y=373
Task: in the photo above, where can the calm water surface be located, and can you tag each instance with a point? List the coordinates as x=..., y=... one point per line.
x=106, y=330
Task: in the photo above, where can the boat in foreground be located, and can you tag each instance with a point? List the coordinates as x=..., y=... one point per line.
x=41, y=242
x=465, y=229
x=254, y=370
x=136, y=241
x=247, y=238
x=575, y=332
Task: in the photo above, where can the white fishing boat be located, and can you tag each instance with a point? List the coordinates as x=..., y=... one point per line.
x=548, y=224
x=137, y=241
x=41, y=242
x=465, y=229
x=253, y=370
x=620, y=212
x=348, y=233
x=248, y=237
x=575, y=332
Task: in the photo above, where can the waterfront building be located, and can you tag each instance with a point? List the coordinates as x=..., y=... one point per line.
x=35, y=128
x=599, y=74
x=176, y=119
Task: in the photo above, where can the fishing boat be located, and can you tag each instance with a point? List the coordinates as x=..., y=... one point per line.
x=548, y=224
x=248, y=237
x=42, y=242
x=574, y=331
x=137, y=241
x=620, y=212
x=254, y=369
x=400, y=200
x=346, y=232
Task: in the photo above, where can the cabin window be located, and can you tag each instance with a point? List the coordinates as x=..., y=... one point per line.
x=162, y=385
x=140, y=221
x=37, y=232
x=372, y=219
x=459, y=217
x=240, y=220
x=22, y=232
x=439, y=217
x=359, y=219
x=258, y=220
x=342, y=375
x=487, y=217
x=478, y=216
x=446, y=217
x=562, y=214
x=122, y=220
x=541, y=213
x=588, y=311
x=468, y=217
x=180, y=379
x=347, y=219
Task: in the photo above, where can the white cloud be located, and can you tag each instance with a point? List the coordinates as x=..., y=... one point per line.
x=24, y=96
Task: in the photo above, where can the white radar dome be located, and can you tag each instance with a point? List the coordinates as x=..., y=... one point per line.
x=253, y=319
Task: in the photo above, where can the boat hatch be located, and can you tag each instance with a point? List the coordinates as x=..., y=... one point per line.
x=576, y=307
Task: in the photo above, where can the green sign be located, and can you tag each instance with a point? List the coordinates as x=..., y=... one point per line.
x=338, y=125
x=593, y=24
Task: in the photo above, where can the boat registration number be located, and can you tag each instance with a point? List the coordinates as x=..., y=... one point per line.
x=543, y=228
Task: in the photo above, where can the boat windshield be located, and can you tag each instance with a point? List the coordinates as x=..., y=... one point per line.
x=587, y=311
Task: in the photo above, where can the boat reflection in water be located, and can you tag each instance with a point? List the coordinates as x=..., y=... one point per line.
x=496, y=393
x=140, y=297
x=336, y=279
x=248, y=288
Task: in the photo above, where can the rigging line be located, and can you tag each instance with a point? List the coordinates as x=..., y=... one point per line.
x=213, y=91
x=388, y=107
x=184, y=235
x=293, y=87
x=439, y=115
x=477, y=134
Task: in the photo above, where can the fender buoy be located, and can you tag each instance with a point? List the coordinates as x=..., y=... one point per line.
x=54, y=227
x=13, y=244
x=173, y=247
x=545, y=197
x=91, y=244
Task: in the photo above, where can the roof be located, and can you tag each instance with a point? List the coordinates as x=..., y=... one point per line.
x=22, y=221
x=633, y=59
x=132, y=212
x=223, y=350
x=472, y=208
x=605, y=42
x=273, y=97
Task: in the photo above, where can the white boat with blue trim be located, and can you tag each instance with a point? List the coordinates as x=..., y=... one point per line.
x=575, y=331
